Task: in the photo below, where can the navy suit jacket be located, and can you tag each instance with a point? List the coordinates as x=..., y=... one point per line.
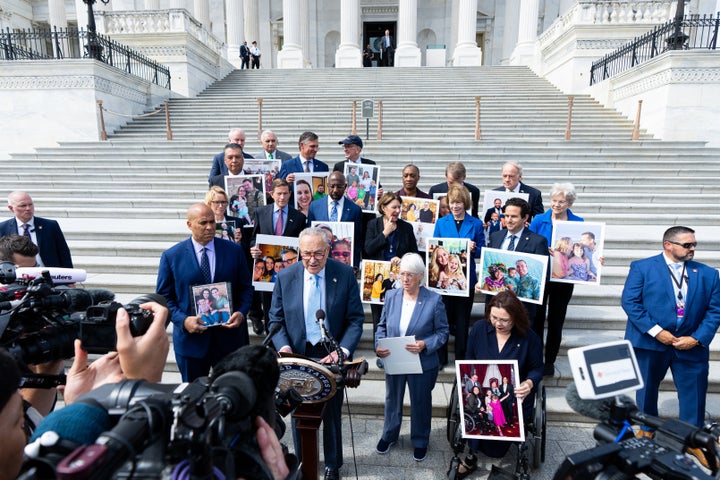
x=474, y=194
x=278, y=154
x=294, y=165
x=534, y=198
x=54, y=250
x=263, y=223
x=344, y=314
x=529, y=242
x=428, y=323
x=340, y=166
x=648, y=299
x=219, y=167
x=318, y=210
x=179, y=270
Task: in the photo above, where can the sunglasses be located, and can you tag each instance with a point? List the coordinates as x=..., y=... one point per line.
x=688, y=245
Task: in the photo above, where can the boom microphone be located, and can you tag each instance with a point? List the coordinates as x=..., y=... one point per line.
x=272, y=330
x=75, y=299
x=59, y=275
x=320, y=317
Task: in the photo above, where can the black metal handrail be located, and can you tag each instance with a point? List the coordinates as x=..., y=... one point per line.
x=697, y=33
x=76, y=43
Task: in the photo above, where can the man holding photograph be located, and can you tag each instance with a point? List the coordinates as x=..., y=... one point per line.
x=203, y=259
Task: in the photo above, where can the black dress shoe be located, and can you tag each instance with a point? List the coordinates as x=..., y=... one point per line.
x=331, y=474
x=257, y=326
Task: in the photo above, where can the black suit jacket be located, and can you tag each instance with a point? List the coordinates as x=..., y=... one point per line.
x=474, y=194
x=263, y=223
x=218, y=165
x=489, y=212
x=340, y=166
x=375, y=241
x=534, y=198
x=54, y=250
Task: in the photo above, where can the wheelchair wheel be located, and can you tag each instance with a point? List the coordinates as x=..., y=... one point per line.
x=539, y=429
x=453, y=416
x=469, y=423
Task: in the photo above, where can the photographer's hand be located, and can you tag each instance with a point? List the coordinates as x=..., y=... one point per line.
x=82, y=378
x=271, y=450
x=144, y=356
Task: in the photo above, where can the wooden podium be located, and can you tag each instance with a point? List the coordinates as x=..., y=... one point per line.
x=308, y=418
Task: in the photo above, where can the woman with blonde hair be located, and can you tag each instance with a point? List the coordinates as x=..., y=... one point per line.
x=217, y=200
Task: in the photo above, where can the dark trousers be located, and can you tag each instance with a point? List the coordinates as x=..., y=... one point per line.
x=245, y=62
x=376, y=314
x=255, y=61
x=554, y=308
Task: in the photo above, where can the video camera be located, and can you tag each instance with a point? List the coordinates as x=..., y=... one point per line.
x=200, y=430
x=606, y=370
x=39, y=321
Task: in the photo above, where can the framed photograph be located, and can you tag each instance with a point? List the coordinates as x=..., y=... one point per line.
x=362, y=181
x=523, y=273
x=488, y=406
x=376, y=279
x=309, y=187
x=442, y=198
x=225, y=230
x=277, y=253
x=267, y=168
x=448, y=270
x=577, y=251
x=422, y=214
x=213, y=303
x=342, y=240
x=246, y=192
x=494, y=199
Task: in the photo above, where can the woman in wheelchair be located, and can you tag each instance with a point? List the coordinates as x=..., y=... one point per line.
x=504, y=334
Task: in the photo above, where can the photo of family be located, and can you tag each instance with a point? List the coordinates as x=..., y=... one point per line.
x=341, y=240
x=422, y=214
x=212, y=303
x=225, y=230
x=488, y=406
x=277, y=253
x=577, y=252
x=523, y=273
x=377, y=278
x=267, y=168
x=494, y=206
x=362, y=184
x=309, y=187
x=247, y=192
x=448, y=270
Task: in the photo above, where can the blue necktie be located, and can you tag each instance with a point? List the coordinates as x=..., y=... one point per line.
x=205, y=266
x=511, y=245
x=314, y=304
x=26, y=230
x=333, y=212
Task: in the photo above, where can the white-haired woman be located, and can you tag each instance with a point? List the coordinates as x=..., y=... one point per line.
x=412, y=310
x=557, y=295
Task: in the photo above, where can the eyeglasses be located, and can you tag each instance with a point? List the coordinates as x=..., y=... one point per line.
x=408, y=275
x=687, y=245
x=504, y=321
x=219, y=202
x=316, y=255
x=338, y=253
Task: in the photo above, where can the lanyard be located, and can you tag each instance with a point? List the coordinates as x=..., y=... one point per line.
x=678, y=283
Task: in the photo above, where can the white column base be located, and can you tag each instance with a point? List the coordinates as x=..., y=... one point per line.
x=407, y=56
x=348, y=56
x=290, y=58
x=467, y=56
x=525, y=54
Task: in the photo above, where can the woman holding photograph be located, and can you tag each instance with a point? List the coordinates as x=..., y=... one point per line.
x=413, y=311
x=303, y=194
x=388, y=238
x=460, y=225
x=217, y=200
x=505, y=334
x=557, y=294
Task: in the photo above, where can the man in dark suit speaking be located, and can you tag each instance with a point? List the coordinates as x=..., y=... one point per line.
x=45, y=233
x=673, y=309
x=200, y=260
x=318, y=283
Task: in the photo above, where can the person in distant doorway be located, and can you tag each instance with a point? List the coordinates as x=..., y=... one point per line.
x=255, y=54
x=387, y=49
x=244, y=56
x=368, y=56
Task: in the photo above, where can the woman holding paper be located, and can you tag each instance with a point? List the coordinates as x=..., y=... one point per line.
x=411, y=311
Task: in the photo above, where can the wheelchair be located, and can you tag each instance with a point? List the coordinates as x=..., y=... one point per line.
x=531, y=452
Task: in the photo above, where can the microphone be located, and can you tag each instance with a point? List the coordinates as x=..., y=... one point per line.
x=59, y=275
x=273, y=328
x=75, y=299
x=320, y=317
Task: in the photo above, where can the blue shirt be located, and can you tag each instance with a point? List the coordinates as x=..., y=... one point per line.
x=542, y=224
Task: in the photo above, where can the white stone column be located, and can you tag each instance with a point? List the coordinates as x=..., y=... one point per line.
x=524, y=52
x=252, y=34
x=201, y=12
x=349, y=53
x=58, y=19
x=234, y=16
x=305, y=33
x=178, y=4
x=407, y=53
x=466, y=52
x=291, y=55
x=152, y=4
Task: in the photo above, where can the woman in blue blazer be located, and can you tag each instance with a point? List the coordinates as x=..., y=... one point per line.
x=460, y=225
x=412, y=311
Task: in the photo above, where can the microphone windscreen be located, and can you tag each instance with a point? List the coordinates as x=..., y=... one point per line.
x=78, y=422
x=320, y=315
x=79, y=299
x=100, y=295
x=597, y=409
